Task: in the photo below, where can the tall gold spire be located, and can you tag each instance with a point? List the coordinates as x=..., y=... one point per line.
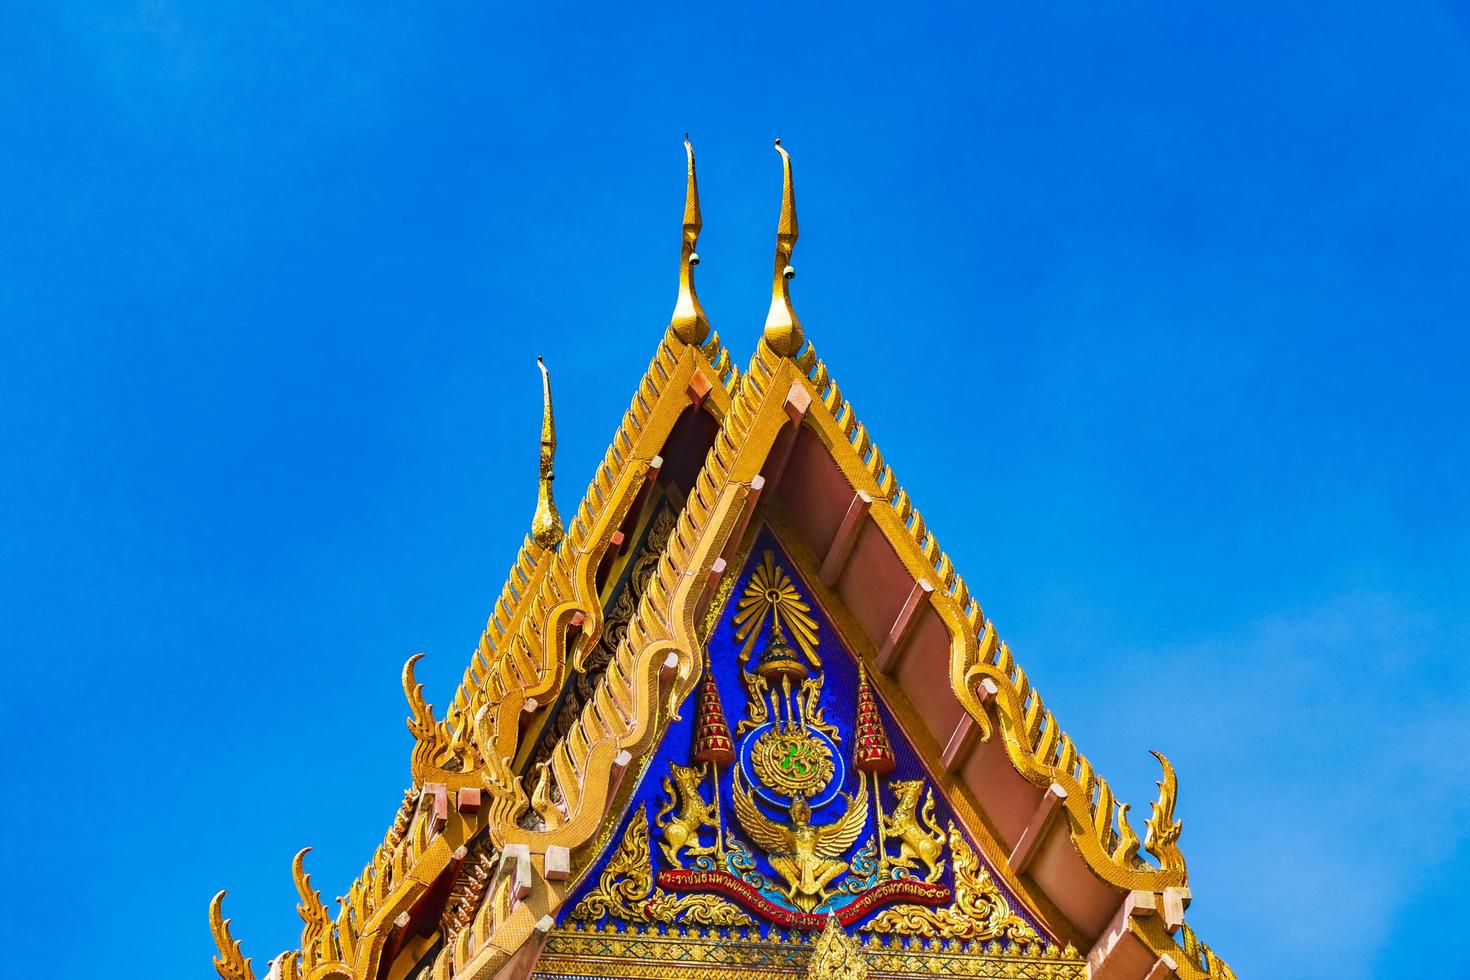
x=546, y=527
x=689, y=323
x=783, y=330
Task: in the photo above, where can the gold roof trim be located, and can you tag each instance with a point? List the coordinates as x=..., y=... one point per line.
x=628, y=702
x=652, y=671
x=521, y=655
x=1038, y=748
x=1193, y=960
x=523, y=652
x=617, y=952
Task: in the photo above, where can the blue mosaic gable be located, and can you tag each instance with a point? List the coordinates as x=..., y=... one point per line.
x=778, y=867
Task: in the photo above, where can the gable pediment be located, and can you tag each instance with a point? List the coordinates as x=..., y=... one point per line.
x=788, y=792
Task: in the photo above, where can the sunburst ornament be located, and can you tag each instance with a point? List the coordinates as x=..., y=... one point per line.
x=771, y=596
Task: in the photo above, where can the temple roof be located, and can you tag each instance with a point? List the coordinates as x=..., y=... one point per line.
x=781, y=437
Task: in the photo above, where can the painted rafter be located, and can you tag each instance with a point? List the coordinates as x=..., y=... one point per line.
x=527, y=645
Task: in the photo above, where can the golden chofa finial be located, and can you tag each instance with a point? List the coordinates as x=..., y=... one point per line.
x=546, y=527
x=689, y=323
x=783, y=330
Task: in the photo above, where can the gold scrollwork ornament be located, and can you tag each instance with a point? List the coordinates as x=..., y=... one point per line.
x=625, y=889
x=979, y=911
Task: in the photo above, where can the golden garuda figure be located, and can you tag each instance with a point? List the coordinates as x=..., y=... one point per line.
x=807, y=856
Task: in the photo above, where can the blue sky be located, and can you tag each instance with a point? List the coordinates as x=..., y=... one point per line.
x=1160, y=315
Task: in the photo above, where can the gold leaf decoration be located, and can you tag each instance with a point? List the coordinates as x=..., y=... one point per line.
x=230, y=964
x=1162, y=838
x=1126, y=851
x=979, y=911
x=770, y=595
x=836, y=956
x=617, y=952
x=625, y=889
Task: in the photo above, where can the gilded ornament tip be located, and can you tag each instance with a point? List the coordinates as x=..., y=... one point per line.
x=689, y=323
x=231, y=963
x=1163, y=829
x=783, y=333
x=546, y=526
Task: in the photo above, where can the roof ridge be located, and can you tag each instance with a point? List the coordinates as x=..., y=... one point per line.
x=509, y=659
x=639, y=686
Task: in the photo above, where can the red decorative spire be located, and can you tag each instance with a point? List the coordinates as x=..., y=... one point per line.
x=712, y=740
x=871, y=751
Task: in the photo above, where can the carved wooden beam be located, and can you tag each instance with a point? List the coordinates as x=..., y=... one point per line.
x=961, y=741
x=622, y=537
x=967, y=730
x=758, y=485
x=515, y=864
x=841, y=548
x=522, y=962
x=1117, y=946
x=1164, y=968
x=558, y=863
x=1175, y=901
x=435, y=799
x=902, y=623
x=798, y=401
x=711, y=583
x=1028, y=845
x=621, y=761
x=698, y=389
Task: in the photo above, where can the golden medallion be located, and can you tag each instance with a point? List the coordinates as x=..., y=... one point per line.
x=792, y=761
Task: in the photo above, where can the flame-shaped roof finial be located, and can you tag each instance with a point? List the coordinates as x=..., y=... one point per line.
x=783, y=332
x=546, y=526
x=689, y=323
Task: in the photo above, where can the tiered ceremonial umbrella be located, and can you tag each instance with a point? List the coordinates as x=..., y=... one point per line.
x=872, y=753
x=713, y=743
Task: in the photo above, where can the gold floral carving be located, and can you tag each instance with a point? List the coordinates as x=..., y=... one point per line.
x=757, y=709
x=979, y=911
x=836, y=956
x=320, y=943
x=1198, y=956
x=811, y=705
x=616, y=952
x=626, y=891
